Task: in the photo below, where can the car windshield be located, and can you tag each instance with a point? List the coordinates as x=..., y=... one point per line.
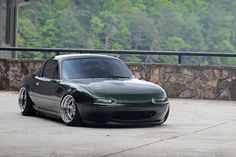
x=94, y=68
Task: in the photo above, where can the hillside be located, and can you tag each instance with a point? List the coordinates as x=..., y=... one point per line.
x=176, y=25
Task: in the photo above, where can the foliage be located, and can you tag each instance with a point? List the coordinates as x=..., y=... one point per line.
x=173, y=25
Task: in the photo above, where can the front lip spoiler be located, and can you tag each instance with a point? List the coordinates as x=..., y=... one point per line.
x=124, y=124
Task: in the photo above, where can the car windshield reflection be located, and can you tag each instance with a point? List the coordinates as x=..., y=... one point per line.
x=94, y=68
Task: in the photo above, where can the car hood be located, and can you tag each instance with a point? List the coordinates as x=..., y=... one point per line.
x=121, y=89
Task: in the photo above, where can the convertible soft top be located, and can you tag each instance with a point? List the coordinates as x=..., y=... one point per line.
x=72, y=56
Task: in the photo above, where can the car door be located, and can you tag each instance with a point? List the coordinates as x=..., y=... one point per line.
x=46, y=86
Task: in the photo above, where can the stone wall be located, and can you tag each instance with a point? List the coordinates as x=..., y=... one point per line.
x=190, y=81
x=12, y=72
x=179, y=81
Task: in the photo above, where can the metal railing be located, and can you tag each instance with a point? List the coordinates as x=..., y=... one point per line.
x=132, y=52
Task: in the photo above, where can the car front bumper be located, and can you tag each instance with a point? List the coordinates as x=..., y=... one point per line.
x=122, y=114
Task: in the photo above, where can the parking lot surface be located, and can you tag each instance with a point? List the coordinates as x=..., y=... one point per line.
x=205, y=128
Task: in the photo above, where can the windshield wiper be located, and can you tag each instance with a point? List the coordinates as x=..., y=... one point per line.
x=118, y=76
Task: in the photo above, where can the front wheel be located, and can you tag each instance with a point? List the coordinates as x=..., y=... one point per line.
x=69, y=112
x=25, y=103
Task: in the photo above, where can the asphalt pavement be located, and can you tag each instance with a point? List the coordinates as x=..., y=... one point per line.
x=195, y=128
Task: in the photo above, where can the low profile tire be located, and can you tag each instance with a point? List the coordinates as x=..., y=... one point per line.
x=25, y=103
x=69, y=112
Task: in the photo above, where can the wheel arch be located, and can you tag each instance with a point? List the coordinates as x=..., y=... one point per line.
x=82, y=97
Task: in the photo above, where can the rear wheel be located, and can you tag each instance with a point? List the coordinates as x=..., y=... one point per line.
x=25, y=103
x=69, y=112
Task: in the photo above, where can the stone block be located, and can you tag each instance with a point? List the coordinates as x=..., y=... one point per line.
x=222, y=84
x=166, y=77
x=224, y=95
x=4, y=83
x=15, y=66
x=154, y=75
x=188, y=72
x=172, y=78
x=169, y=69
x=212, y=83
x=180, y=78
x=209, y=94
x=186, y=94
x=137, y=75
x=132, y=67
x=173, y=89
x=207, y=74
x=221, y=73
x=196, y=94
x=2, y=67
x=194, y=84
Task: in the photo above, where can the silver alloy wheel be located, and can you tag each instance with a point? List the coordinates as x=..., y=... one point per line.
x=22, y=100
x=68, y=109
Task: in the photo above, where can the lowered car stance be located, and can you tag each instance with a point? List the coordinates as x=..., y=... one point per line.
x=92, y=89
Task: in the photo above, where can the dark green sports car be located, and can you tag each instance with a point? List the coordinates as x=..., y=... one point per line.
x=92, y=89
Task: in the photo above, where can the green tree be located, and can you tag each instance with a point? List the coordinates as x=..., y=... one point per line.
x=174, y=25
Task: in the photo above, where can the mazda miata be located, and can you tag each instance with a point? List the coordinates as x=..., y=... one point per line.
x=92, y=89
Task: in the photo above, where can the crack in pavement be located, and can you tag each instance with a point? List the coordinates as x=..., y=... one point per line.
x=213, y=126
x=169, y=138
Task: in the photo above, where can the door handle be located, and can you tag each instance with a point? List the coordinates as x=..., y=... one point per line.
x=37, y=83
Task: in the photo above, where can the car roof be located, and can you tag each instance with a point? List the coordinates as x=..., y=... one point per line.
x=73, y=56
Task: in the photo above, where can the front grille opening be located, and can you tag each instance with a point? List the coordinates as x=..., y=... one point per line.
x=133, y=115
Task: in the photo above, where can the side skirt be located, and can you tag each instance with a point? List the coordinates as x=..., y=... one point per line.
x=47, y=113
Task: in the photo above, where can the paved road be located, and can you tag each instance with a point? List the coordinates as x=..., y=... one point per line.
x=195, y=128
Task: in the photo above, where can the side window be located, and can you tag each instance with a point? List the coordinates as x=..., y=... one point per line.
x=56, y=74
x=51, y=69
